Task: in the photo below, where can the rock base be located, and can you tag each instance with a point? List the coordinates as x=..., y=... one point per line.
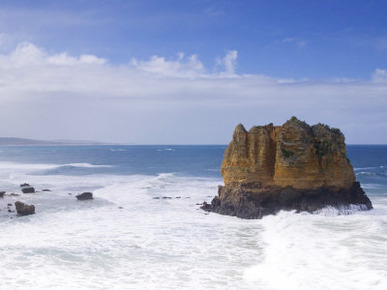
x=252, y=201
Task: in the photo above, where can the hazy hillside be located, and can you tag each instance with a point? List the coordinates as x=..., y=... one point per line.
x=24, y=141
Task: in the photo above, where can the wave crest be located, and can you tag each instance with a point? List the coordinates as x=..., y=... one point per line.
x=86, y=165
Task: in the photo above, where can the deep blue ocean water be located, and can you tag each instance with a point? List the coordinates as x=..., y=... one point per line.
x=149, y=160
x=128, y=237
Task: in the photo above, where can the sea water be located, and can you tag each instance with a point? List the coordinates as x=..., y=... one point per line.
x=144, y=228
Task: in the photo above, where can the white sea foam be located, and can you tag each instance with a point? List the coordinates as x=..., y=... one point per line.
x=125, y=238
x=129, y=238
x=14, y=166
x=304, y=251
x=342, y=210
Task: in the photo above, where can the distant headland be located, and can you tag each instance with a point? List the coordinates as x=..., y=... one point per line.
x=12, y=141
x=290, y=167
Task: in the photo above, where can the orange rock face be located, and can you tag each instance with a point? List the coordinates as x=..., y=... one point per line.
x=290, y=167
x=294, y=154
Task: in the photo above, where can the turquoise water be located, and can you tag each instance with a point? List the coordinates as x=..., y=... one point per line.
x=129, y=237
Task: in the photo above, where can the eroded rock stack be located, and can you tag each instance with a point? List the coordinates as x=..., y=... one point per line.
x=293, y=166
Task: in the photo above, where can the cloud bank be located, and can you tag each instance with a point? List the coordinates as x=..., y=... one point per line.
x=61, y=96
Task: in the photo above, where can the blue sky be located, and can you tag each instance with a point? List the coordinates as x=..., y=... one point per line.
x=186, y=72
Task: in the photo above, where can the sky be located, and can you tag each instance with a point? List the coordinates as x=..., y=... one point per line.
x=187, y=72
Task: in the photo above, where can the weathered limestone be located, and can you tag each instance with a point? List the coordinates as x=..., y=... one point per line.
x=293, y=166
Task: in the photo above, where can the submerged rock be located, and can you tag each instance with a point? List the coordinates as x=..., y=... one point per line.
x=24, y=209
x=85, y=196
x=290, y=167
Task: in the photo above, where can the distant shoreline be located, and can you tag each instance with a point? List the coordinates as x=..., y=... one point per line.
x=13, y=141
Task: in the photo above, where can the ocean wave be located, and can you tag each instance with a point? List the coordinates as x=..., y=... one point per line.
x=366, y=173
x=87, y=165
x=73, y=168
x=117, y=150
x=166, y=149
x=366, y=168
x=165, y=176
x=14, y=166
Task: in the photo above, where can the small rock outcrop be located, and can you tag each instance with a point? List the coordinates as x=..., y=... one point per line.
x=85, y=196
x=292, y=167
x=24, y=209
x=26, y=188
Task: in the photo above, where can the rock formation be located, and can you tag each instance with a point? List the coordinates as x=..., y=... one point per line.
x=85, y=196
x=26, y=188
x=24, y=209
x=293, y=166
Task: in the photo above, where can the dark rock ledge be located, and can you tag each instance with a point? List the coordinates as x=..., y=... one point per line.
x=250, y=201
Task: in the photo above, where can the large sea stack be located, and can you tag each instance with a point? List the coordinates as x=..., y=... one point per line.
x=290, y=167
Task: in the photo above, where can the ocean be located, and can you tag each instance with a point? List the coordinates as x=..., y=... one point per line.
x=144, y=228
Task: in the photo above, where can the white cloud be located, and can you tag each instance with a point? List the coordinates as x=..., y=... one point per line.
x=297, y=42
x=181, y=67
x=62, y=59
x=380, y=76
x=65, y=59
x=27, y=54
x=228, y=63
x=60, y=96
x=91, y=59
